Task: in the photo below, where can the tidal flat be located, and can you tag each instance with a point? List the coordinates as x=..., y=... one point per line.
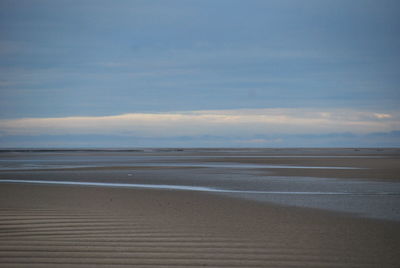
x=200, y=207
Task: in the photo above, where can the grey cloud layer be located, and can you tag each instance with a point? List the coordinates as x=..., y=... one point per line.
x=73, y=58
x=298, y=67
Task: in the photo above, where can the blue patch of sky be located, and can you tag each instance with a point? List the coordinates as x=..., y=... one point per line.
x=69, y=58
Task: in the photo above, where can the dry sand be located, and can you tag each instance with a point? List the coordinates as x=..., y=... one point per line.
x=82, y=226
x=74, y=226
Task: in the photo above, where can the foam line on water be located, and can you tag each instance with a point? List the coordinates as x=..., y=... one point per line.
x=190, y=188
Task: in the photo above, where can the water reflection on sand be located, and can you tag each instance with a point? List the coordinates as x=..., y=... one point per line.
x=238, y=173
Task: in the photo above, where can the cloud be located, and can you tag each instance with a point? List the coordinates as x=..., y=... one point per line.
x=239, y=123
x=382, y=116
x=260, y=141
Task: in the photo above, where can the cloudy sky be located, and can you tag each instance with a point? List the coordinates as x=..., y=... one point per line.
x=270, y=73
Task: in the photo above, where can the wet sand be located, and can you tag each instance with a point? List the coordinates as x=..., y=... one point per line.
x=374, y=164
x=75, y=226
x=85, y=226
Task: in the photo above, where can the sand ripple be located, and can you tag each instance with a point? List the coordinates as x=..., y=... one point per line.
x=54, y=238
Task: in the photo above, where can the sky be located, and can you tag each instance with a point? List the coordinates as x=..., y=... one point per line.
x=199, y=73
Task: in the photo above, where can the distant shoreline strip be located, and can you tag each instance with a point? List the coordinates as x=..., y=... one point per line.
x=188, y=188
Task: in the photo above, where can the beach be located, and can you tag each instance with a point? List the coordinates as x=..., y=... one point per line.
x=200, y=208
